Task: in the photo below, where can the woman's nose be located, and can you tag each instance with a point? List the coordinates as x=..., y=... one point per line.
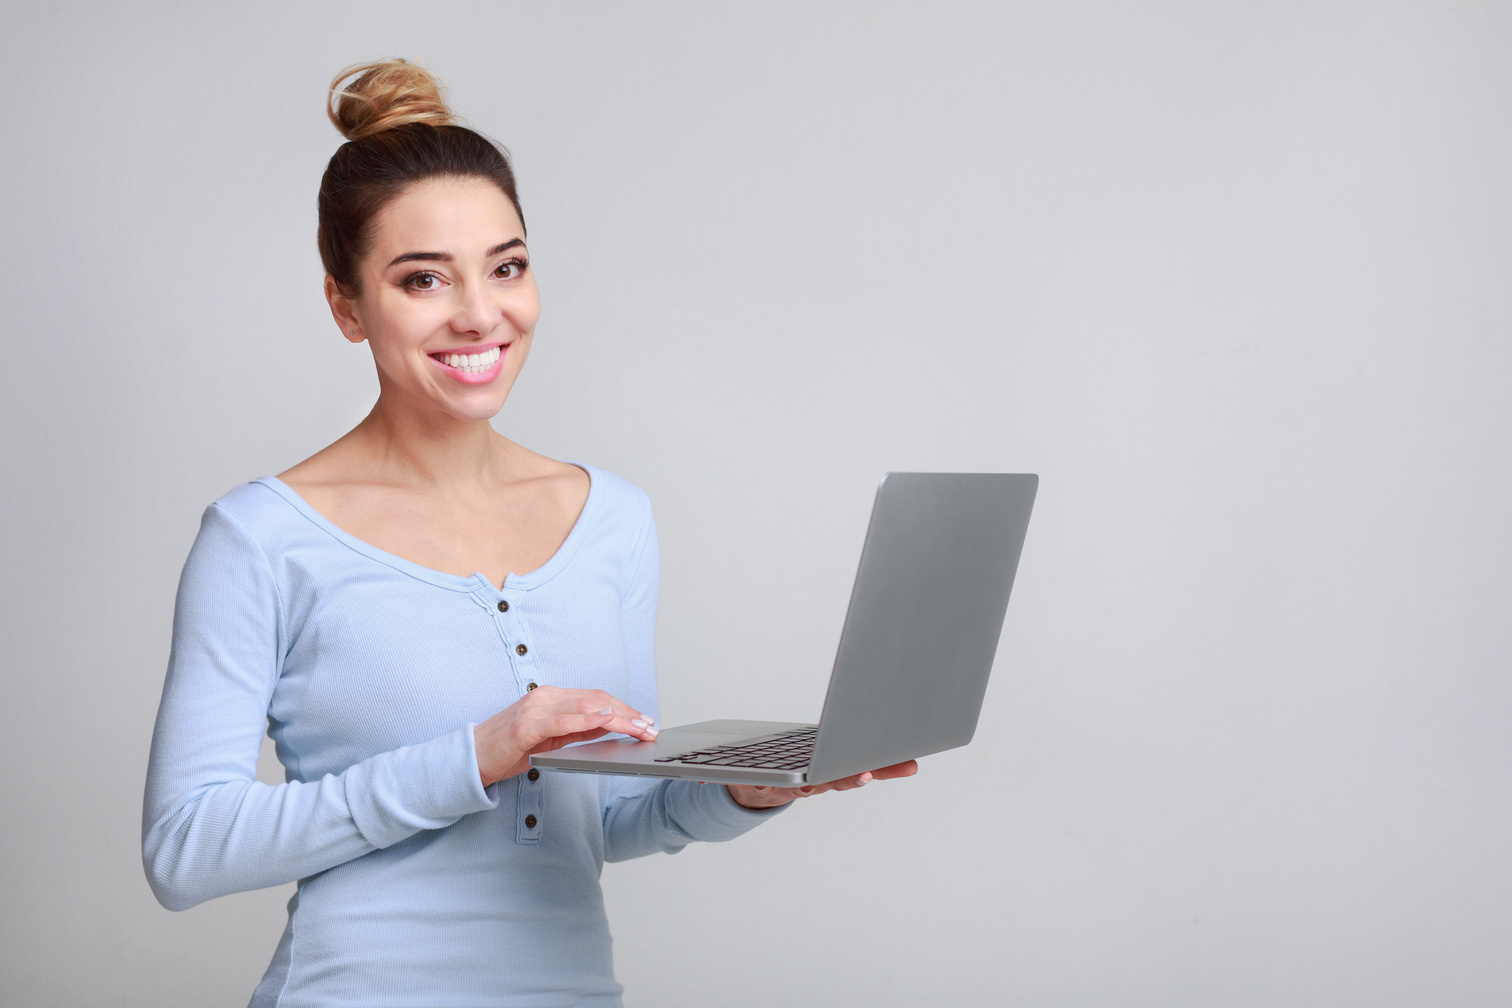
x=474, y=312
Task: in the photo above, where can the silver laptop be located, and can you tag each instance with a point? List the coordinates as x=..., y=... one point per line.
x=918, y=643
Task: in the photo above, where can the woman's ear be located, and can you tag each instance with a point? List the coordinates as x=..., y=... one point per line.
x=343, y=310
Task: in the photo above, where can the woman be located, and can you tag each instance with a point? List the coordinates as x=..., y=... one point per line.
x=412, y=612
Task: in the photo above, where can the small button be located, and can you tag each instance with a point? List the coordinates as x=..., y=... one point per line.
x=529, y=686
x=520, y=649
x=503, y=606
x=533, y=775
x=530, y=822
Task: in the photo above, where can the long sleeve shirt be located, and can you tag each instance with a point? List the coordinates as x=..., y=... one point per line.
x=417, y=885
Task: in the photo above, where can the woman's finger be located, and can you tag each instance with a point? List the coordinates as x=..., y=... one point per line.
x=547, y=718
x=609, y=718
x=627, y=721
x=561, y=700
x=905, y=769
x=624, y=711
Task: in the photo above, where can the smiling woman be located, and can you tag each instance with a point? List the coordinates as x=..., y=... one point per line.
x=447, y=306
x=412, y=612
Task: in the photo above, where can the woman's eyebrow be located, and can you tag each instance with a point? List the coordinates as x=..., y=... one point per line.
x=422, y=256
x=447, y=256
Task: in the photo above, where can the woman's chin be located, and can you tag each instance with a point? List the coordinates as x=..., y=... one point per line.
x=475, y=409
x=427, y=407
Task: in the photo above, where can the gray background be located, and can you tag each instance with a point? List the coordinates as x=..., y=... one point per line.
x=1230, y=277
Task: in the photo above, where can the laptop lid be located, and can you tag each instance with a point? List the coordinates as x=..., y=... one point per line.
x=924, y=619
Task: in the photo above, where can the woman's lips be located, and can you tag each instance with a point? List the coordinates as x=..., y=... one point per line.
x=473, y=368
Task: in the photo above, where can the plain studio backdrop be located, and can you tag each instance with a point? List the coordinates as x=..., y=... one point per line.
x=1232, y=278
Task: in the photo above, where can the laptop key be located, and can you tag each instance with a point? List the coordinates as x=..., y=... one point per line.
x=788, y=751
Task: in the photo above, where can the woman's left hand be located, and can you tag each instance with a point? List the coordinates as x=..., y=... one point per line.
x=760, y=796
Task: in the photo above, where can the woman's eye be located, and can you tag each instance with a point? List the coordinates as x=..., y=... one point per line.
x=510, y=270
x=422, y=281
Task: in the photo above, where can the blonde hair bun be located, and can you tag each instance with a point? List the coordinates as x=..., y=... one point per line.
x=384, y=95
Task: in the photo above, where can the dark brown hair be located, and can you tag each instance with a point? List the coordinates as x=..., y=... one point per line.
x=399, y=131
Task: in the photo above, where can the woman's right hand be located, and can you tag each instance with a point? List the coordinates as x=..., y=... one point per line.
x=547, y=718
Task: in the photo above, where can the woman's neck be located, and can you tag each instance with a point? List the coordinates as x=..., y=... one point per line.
x=407, y=449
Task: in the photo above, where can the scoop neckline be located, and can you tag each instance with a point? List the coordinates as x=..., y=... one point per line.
x=457, y=582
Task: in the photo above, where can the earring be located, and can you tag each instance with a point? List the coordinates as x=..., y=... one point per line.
x=351, y=332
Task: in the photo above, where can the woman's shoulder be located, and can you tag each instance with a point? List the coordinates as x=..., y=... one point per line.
x=615, y=490
x=603, y=490
x=255, y=499
x=265, y=509
x=245, y=528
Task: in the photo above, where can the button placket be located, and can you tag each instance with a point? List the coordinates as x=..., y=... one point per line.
x=514, y=632
x=519, y=651
x=530, y=812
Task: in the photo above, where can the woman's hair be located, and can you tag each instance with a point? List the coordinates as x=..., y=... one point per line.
x=399, y=131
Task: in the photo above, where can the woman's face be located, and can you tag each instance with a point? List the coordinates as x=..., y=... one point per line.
x=448, y=301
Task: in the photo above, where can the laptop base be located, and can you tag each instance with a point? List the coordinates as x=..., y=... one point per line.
x=634, y=758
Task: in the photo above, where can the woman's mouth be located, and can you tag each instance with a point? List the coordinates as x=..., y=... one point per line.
x=470, y=364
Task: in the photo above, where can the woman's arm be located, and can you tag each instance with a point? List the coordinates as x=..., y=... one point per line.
x=208, y=826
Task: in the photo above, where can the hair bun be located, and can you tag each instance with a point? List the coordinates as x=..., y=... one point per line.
x=387, y=94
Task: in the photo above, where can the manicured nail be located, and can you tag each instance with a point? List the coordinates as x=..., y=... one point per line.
x=651, y=731
x=640, y=722
x=606, y=710
x=863, y=781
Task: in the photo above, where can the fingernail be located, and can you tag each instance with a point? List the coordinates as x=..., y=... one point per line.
x=863, y=781
x=652, y=732
x=806, y=790
x=640, y=722
x=606, y=710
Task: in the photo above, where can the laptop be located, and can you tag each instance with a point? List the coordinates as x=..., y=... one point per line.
x=917, y=646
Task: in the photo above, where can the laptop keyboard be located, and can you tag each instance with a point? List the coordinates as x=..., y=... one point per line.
x=790, y=750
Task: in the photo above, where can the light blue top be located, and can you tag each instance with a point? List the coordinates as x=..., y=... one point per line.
x=417, y=886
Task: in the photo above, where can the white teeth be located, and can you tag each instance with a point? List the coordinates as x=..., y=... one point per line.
x=472, y=363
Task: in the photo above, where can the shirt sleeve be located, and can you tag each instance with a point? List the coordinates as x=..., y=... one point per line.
x=644, y=816
x=208, y=826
